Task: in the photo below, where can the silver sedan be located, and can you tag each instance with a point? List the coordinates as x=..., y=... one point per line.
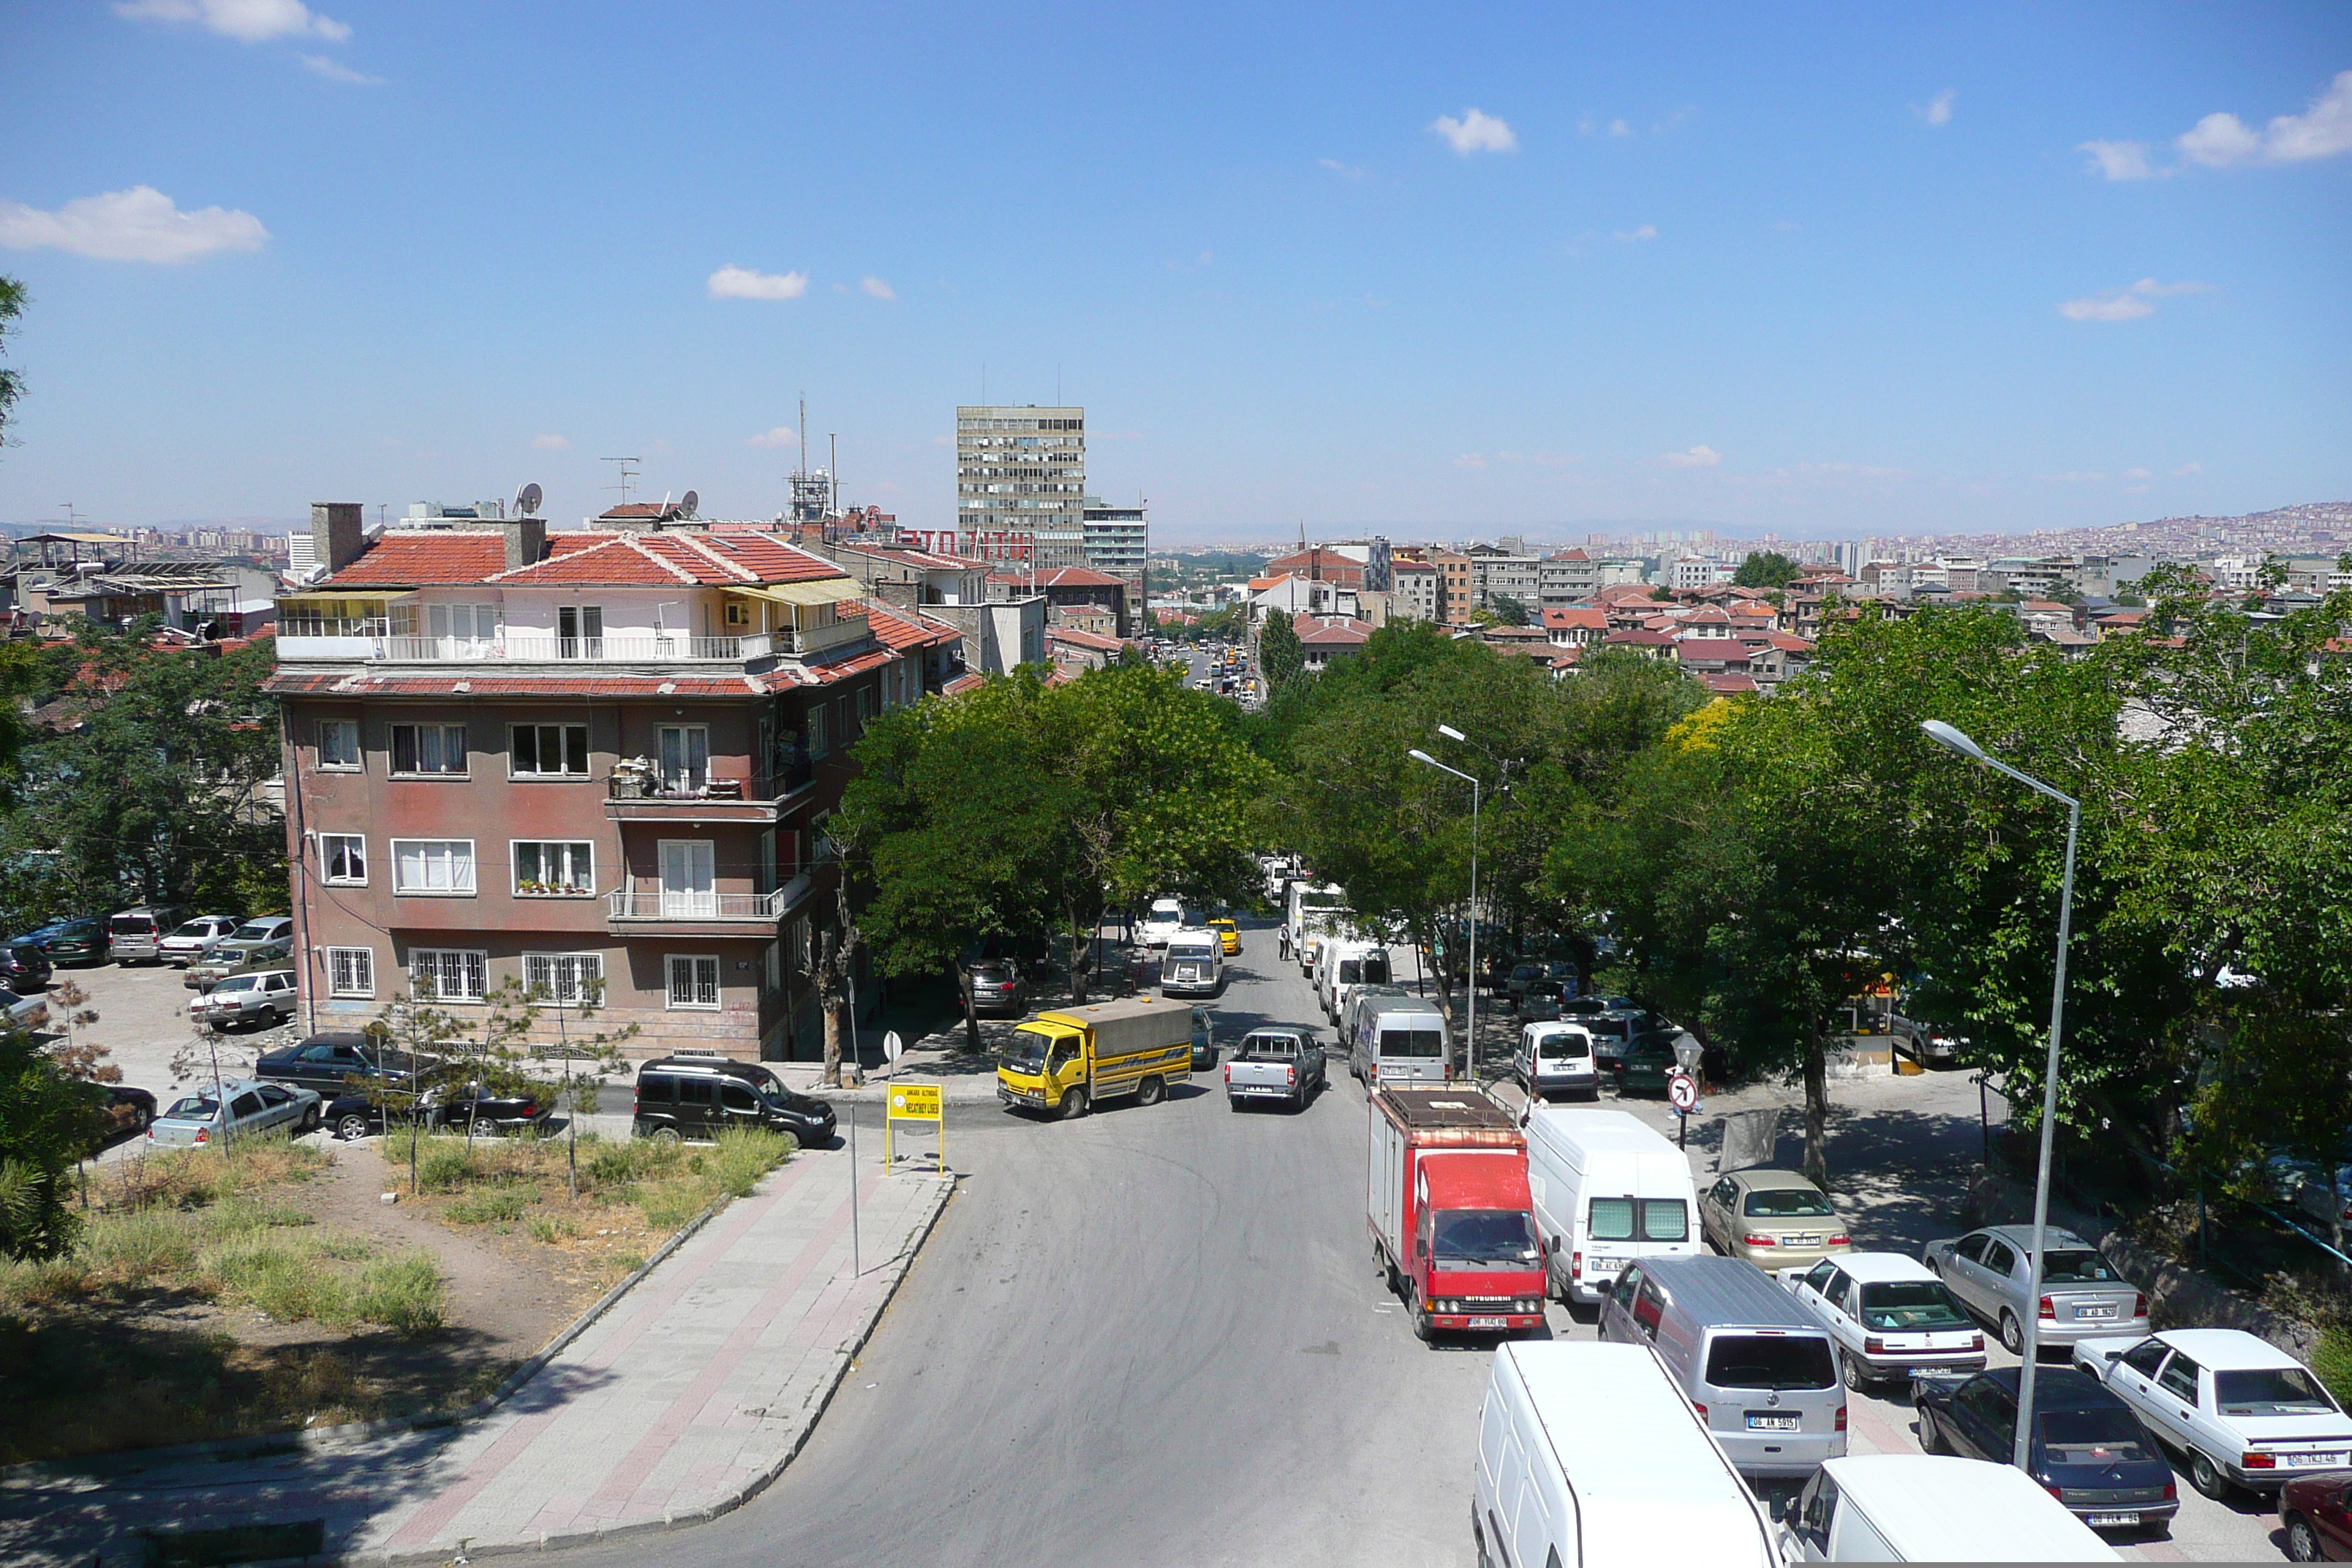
x=2082, y=1294
x=241, y=1105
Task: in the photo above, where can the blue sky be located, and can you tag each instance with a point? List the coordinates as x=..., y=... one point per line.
x=1830, y=270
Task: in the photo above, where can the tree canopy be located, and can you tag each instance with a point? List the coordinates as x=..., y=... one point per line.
x=1766, y=569
x=1279, y=653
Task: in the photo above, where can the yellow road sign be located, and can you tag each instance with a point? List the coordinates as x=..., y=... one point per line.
x=913, y=1103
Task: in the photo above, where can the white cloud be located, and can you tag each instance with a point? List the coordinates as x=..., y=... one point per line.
x=141, y=223
x=246, y=21
x=2126, y=304
x=1620, y=128
x=1936, y=110
x=335, y=70
x=1471, y=460
x=2138, y=474
x=1697, y=458
x=551, y=442
x=2323, y=131
x=2187, y=470
x=1345, y=170
x=733, y=282
x=2118, y=160
x=781, y=436
x=879, y=290
x=2076, y=477
x=1647, y=231
x=1476, y=131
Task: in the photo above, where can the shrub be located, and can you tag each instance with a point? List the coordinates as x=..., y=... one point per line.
x=669, y=1206
x=280, y=1278
x=446, y=1163
x=406, y=1294
x=490, y=1204
x=744, y=1156
x=550, y=1229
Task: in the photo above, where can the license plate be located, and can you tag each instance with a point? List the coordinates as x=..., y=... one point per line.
x=1490, y=1322
x=1774, y=1423
x=2114, y=1521
x=2312, y=1461
x=1932, y=1371
x=1604, y=1265
x=2094, y=1312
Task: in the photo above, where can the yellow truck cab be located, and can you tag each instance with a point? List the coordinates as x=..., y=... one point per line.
x=1065, y=1061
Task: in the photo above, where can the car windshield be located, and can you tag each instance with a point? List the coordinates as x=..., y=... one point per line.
x=1786, y=1203
x=253, y=930
x=2269, y=1391
x=1428, y=1043
x=2092, y=1437
x=1909, y=1306
x=1189, y=950
x=131, y=925
x=1769, y=1361
x=1563, y=1047
x=194, y=928
x=1484, y=1238
x=1166, y=911
x=1026, y=1051
x=236, y=983
x=195, y=1108
x=2083, y=1268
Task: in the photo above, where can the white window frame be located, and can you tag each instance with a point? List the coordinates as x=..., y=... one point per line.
x=353, y=845
x=360, y=962
x=425, y=965
x=514, y=866
x=454, y=890
x=346, y=727
x=670, y=963
x=563, y=731
x=464, y=753
x=549, y=969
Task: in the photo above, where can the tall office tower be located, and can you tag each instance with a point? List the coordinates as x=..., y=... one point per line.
x=1020, y=481
x=1118, y=541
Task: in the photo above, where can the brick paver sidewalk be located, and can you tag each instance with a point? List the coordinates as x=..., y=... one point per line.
x=691, y=1393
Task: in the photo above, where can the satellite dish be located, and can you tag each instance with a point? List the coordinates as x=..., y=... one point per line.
x=687, y=502
x=527, y=501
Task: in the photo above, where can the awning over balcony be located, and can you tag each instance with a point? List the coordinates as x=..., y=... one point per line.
x=824, y=591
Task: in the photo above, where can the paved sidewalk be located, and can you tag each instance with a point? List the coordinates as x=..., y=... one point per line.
x=685, y=1397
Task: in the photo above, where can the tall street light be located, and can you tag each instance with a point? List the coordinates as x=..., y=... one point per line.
x=1421, y=756
x=1944, y=734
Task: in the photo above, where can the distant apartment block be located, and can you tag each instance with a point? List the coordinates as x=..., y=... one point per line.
x=1119, y=542
x=1021, y=480
x=1415, y=594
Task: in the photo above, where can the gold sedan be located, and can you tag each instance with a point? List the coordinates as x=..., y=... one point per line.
x=1775, y=1219
x=1229, y=936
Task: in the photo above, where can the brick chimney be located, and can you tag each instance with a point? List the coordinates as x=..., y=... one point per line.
x=338, y=534
x=526, y=540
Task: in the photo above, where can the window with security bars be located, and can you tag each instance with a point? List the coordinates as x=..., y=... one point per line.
x=567, y=979
x=446, y=975
x=351, y=972
x=693, y=982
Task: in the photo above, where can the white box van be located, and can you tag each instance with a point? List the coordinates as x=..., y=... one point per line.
x=1194, y=964
x=1304, y=904
x=1401, y=1040
x=1344, y=963
x=1609, y=1189
x=1927, y=1507
x=1589, y=1457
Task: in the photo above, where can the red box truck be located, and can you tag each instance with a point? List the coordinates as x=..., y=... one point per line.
x=1451, y=1217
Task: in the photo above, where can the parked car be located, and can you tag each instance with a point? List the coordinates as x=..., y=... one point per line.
x=25, y=1013
x=1163, y=920
x=124, y=1110
x=1275, y=1064
x=1931, y=1508
x=2088, y=1448
x=135, y=935
x=1646, y=1065
x=330, y=1062
x=23, y=967
x=996, y=986
x=239, y=1107
x=2315, y=1511
x=1204, y=1041
x=694, y=1097
x=1556, y=1059
x=1540, y=1001
x=263, y=996
x=259, y=932
x=75, y=941
x=353, y=1114
x=2243, y=1412
x=196, y=939
x=1532, y=971
x=1229, y=935
x=226, y=960
x=1889, y=1316
x=1775, y=1219
x=2082, y=1294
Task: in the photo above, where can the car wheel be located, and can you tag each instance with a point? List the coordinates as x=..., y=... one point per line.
x=2012, y=1338
x=2301, y=1541
x=1421, y=1330
x=352, y=1129
x=1931, y=1436
x=1074, y=1105
x=2208, y=1478
x=664, y=1134
x=310, y=1119
x=1855, y=1377
x=1152, y=1093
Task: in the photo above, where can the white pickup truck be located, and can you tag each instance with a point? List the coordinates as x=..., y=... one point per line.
x=1279, y=1064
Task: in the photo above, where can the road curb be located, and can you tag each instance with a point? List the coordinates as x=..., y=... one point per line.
x=811, y=1413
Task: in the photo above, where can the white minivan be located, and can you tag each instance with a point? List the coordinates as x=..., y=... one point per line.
x=1401, y=1040
x=1929, y=1507
x=1589, y=1456
x=1194, y=964
x=1608, y=1189
x=1344, y=963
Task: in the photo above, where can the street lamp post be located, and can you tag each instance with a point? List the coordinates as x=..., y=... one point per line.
x=1944, y=734
x=1471, y=779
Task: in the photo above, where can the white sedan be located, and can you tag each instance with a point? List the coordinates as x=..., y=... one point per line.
x=2243, y=1412
x=1889, y=1316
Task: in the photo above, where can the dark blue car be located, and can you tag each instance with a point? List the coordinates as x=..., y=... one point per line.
x=2089, y=1448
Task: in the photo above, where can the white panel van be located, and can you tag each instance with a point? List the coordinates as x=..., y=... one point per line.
x=1609, y=1189
x=1926, y=1507
x=1401, y=1040
x=1590, y=1458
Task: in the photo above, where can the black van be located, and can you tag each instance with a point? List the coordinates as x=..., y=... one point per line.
x=694, y=1097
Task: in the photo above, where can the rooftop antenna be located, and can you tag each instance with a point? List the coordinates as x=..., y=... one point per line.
x=833, y=471
x=627, y=474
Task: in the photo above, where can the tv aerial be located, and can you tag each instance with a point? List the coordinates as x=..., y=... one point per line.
x=527, y=501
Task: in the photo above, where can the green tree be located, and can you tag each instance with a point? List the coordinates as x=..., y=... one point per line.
x=48, y=1123
x=1279, y=653
x=13, y=300
x=1507, y=610
x=1766, y=569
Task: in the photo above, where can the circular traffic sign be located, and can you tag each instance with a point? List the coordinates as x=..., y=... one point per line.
x=1682, y=1091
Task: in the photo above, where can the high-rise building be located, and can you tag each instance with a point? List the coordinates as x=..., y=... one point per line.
x=1118, y=541
x=1021, y=483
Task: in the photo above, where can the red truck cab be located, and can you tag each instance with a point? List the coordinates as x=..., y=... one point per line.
x=1451, y=1216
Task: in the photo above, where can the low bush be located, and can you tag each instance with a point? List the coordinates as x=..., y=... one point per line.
x=448, y=1163
x=744, y=1156
x=406, y=1294
x=278, y=1276
x=485, y=1206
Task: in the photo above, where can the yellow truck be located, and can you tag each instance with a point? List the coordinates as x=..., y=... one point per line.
x=1064, y=1062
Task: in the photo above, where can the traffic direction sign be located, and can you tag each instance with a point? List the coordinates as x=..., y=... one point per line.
x=1682, y=1093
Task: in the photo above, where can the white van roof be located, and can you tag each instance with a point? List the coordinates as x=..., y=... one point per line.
x=1599, y=1130
x=1651, y=1487
x=1936, y=1509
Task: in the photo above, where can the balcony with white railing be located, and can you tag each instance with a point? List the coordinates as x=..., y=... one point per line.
x=701, y=906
